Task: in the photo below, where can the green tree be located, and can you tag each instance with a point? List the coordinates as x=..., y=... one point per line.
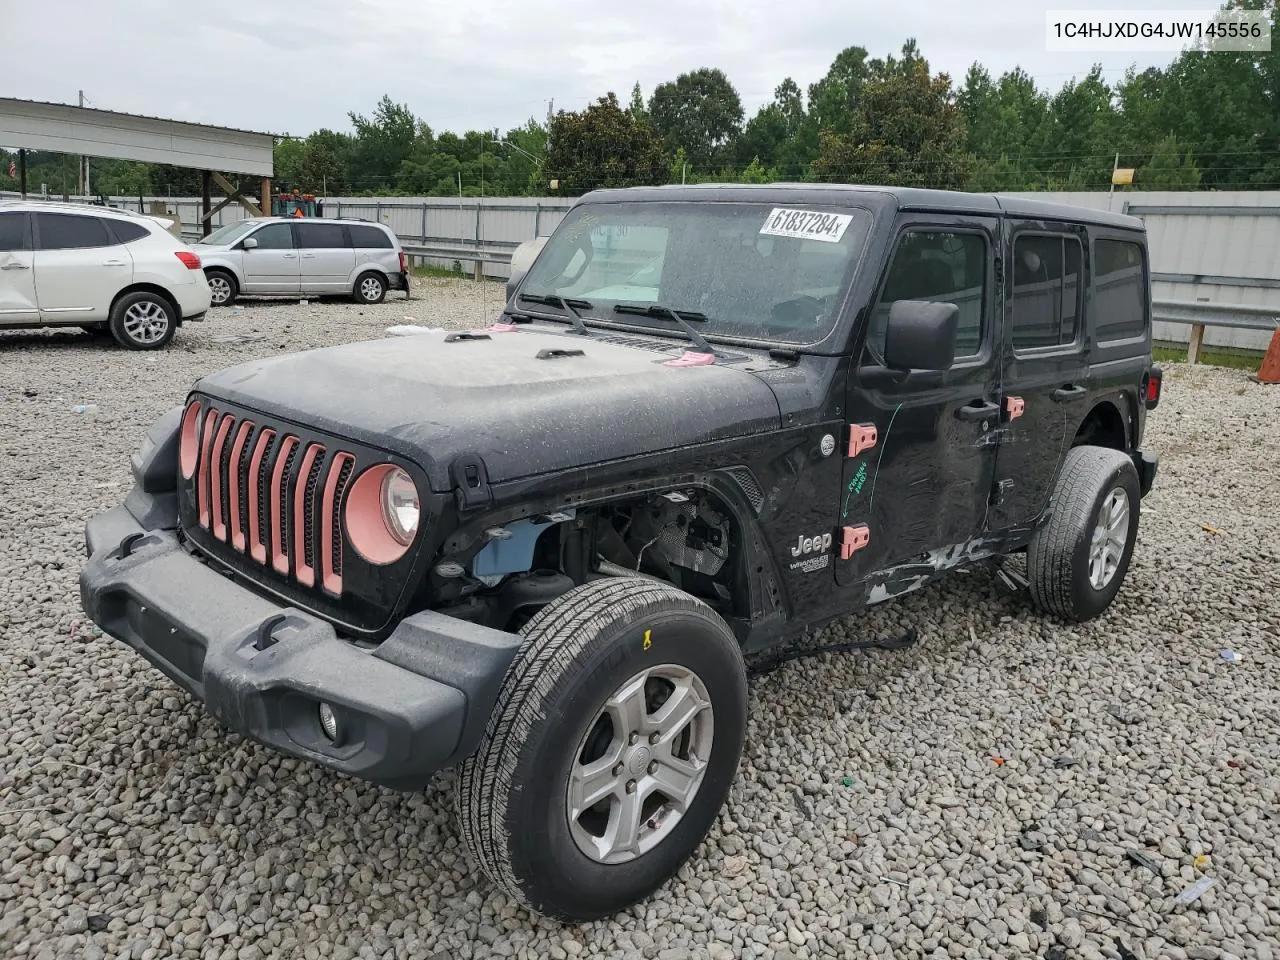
x=637, y=108
x=1170, y=168
x=602, y=146
x=382, y=143
x=700, y=111
x=287, y=161
x=906, y=130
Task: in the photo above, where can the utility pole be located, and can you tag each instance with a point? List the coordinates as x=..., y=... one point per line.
x=83, y=170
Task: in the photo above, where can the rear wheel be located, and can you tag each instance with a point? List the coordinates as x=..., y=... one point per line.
x=1076, y=562
x=612, y=747
x=370, y=288
x=143, y=321
x=222, y=287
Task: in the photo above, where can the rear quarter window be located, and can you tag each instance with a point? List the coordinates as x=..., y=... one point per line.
x=1119, y=290
x=369, y=238
x=126, y=231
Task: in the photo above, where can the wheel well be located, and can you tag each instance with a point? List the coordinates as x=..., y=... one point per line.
x=225, y=272
x=1103, y=427
x=161, y=292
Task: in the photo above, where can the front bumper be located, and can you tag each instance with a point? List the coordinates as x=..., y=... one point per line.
x=412, y=705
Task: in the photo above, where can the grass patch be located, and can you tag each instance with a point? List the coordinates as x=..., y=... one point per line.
x=453, y=273
x=1249, y=360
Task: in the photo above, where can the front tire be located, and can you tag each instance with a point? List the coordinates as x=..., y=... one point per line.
x=143, y=321
x=222, y=288
x=611, y=749
x=1077, y=560
x=370, y=288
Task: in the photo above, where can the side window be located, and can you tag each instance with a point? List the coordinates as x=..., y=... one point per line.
x=937, y=266
x=368, y=238
x=322, y=235
x=14, y=234
x=126, y=231
x=1046, y=290
x=274, y=236
x=1120, y=290
x=69, y=231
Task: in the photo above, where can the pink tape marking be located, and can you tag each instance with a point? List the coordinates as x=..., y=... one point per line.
x=691, y=358
x=502, y=328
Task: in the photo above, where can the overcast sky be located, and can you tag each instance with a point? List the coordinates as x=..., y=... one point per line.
x=292, y=66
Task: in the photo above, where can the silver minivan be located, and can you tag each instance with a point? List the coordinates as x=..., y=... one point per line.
x=282, y=257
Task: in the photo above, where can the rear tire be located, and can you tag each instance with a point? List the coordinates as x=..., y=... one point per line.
x=606, y=656
x=1077, y=560
x=222, y=288
x=370, y=288
x=143, y=321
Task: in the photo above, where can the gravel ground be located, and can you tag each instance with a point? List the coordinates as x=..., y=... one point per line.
x=1011, y=786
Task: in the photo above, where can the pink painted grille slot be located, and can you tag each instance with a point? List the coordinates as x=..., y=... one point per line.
x=233, y=483
x=279, y=546
x=330, y=537
x=202, y=476
x=302, y=507
x=215, y=476
x=257, y=546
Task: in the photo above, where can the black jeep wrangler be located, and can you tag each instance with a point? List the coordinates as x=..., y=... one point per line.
x=708, y=419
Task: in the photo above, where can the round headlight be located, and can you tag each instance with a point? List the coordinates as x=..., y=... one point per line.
x=400, y=507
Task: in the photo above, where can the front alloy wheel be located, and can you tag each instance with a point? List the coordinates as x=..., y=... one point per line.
x=640, y=765
x=612, y=746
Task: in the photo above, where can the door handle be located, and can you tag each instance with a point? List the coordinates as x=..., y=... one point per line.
x=1068, y=393
x=978, y=410
x=113, y=263
x=290, y=256
x=16, y=266
x=308, y=256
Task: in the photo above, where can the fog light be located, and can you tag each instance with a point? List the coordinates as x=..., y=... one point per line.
x=329, y=723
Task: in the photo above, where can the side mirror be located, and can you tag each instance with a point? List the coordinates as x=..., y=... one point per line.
x=248, y=243
x=521, y=260
x=921, y=335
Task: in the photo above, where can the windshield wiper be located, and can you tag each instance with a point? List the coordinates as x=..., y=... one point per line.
x=682, y=317
x=567, y=306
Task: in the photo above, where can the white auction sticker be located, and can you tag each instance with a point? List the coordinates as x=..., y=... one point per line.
x=806, y=225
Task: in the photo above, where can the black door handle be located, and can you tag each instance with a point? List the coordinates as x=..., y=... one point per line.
x=1068, y=393
x=979, y=410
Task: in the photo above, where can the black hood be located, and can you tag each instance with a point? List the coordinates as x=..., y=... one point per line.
x=430, y=400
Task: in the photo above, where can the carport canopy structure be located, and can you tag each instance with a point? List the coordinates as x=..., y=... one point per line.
x=215, y=151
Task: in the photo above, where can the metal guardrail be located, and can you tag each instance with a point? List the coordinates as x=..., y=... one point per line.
x=478, y=255
x=1203, y=313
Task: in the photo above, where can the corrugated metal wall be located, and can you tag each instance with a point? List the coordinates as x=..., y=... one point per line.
x=1218, y=247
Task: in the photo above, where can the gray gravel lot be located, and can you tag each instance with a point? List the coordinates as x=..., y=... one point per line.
x=1010, y=787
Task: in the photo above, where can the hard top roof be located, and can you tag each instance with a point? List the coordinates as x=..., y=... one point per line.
x=903, y=198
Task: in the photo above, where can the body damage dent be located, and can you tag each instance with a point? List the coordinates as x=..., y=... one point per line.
x=902, y=579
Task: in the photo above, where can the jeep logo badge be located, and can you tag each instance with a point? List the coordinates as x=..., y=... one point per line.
x=804, y=545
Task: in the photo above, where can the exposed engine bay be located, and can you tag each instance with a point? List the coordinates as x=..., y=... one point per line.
x=682, y=537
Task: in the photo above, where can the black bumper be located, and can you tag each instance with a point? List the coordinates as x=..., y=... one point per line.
x=1147, y=465
x=412, y=705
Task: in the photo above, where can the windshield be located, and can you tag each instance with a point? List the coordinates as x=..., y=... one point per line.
x=752, y=270
x=230, y=233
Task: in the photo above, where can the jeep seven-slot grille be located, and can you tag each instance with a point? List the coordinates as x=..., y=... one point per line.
x=273, y=497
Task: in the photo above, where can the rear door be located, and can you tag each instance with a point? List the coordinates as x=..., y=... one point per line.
x=17, y=278
x=79, y=267
x=919, y=490
x=1043, y=372
x=326, y=255
x=271, y=266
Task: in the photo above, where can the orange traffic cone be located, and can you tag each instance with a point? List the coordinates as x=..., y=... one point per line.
x=1269, y=372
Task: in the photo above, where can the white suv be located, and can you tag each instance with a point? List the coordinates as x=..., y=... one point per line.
x=281, y=257
x=98, y=268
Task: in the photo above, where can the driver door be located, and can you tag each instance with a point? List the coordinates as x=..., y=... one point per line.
x=272, y=266
x=917, y=483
